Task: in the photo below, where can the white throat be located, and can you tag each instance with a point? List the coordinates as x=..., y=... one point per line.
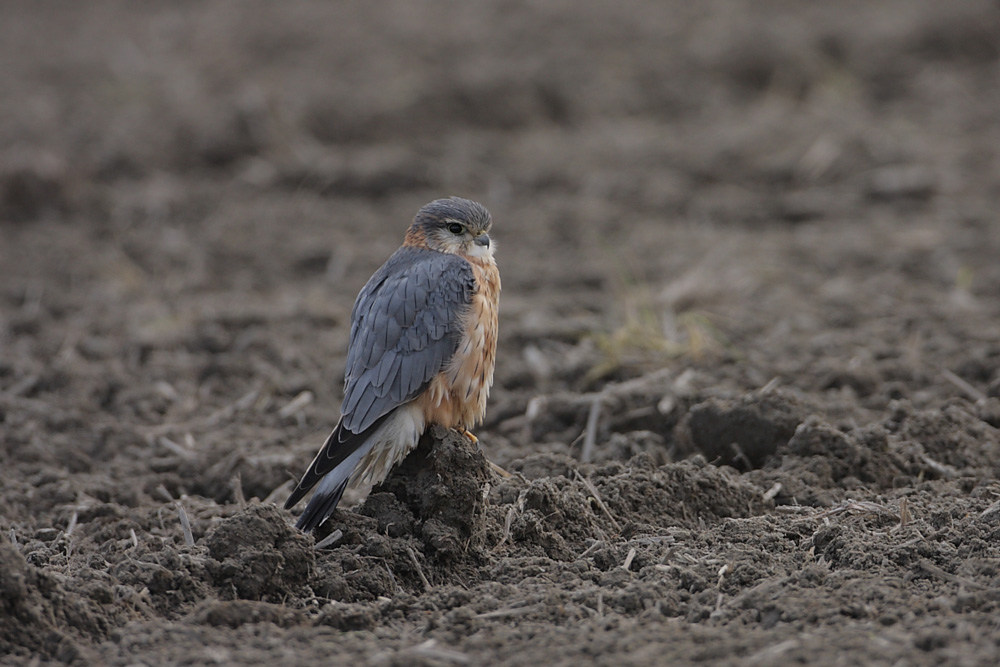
x=481, y=251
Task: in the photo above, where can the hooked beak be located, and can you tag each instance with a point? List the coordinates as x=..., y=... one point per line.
x=483, y=240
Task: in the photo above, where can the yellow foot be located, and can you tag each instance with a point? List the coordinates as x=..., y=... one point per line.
x=468, y=434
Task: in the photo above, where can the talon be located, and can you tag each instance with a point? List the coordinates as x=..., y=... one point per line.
x=468, y=434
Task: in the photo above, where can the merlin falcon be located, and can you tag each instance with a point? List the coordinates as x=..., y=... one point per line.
x=422, y=351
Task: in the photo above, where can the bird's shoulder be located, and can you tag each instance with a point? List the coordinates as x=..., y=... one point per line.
x=404, y=328
x=408, y=257
x=428, y=270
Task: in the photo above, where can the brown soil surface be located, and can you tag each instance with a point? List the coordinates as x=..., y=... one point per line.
x=760, y=236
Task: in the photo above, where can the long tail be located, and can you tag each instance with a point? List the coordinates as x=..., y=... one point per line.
x=331, y=469
x=330, y=490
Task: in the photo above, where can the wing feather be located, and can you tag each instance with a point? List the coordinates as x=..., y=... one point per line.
x=404, y=327
x=406, y=324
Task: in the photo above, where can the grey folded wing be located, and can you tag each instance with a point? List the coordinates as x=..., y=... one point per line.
x=405, y=326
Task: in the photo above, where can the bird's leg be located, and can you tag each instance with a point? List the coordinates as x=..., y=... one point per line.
x=474, y=440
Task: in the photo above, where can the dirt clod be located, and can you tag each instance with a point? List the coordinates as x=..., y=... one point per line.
x=259, y=556
x=743, y=433
x=441, y=484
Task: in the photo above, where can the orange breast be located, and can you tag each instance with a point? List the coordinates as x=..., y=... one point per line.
x=457, y=396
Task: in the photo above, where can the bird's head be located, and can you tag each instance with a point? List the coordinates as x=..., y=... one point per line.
x=455, y=225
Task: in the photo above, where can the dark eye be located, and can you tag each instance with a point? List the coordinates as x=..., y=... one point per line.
x=456, y=228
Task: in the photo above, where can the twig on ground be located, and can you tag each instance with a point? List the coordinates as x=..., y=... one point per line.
x=772, y=492
x=509, y=612
x=597, y=498
x=942, y=469
x=931, y=568
x=628, y=559
x=303, y=399
x=768, y=655
x=848, y=506
x=507, y=522
x=498, y=470
x=224, y=413
x=392, y=577
x=185, y=525
x=770, y=386
x=429, y=651
x=592, y=547
x=740, y=455
x=420, y=570
x=330, y=539
x=794, y=509
x=991, y=510
x=723, y=571
x=856, y=507
x=970, y=391
x=590, y=439
x=647, y=540
x=237, y=485
x=175, y=448
x=613, y=398
x=904, y=512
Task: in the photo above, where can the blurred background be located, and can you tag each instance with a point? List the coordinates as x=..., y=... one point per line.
x=191, y=194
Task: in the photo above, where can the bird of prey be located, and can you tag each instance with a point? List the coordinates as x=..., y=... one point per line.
x=422, y=351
